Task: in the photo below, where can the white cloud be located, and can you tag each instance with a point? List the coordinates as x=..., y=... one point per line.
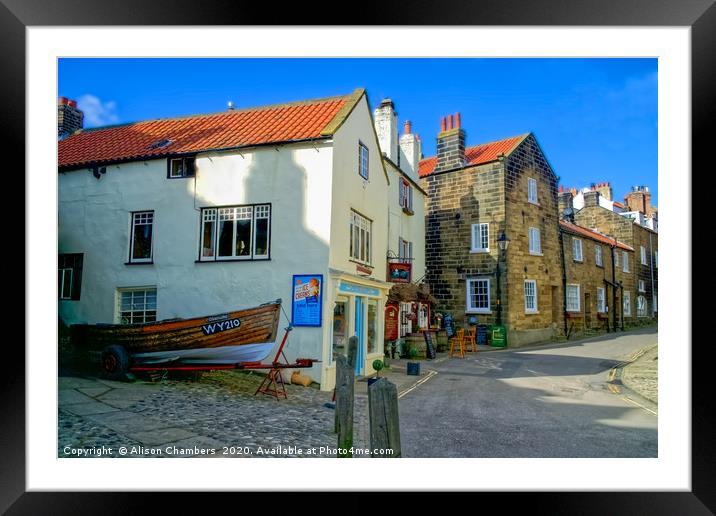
x=97, y=113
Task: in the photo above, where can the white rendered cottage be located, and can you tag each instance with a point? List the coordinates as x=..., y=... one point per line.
x=205, y=214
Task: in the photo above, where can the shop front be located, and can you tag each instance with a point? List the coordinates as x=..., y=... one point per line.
x=357, y=310
x=412, y=304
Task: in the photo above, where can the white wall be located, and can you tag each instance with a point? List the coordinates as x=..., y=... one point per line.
x=94, y=219
x=351, y=191
x=409, y=227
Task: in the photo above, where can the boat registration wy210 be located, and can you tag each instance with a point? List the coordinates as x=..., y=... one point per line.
x=220, y=325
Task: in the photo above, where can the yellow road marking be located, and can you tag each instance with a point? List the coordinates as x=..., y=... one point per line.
x=418, y=384
x=638, y=404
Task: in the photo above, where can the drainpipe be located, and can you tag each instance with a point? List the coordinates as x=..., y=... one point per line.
x=651, y=270
x=614, y=291
x=564, y=279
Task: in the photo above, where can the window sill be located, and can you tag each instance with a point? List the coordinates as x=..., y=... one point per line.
x=574, y=314
x=231, y=260
x=531, y=312
x=139, y=263
x=536, y=203
x=478, y=311
x=361, y=263
x=479, y=251
x=408, y=211
x=578, y=261
x=536, y=254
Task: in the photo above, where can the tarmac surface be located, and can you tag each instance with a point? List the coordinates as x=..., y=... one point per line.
x=550, y=401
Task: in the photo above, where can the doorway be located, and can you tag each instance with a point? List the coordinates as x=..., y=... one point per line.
x=341, y=327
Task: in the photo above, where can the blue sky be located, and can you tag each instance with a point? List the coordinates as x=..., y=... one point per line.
x=596, y=119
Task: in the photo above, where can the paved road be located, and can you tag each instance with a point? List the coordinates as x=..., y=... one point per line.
x=548, y=401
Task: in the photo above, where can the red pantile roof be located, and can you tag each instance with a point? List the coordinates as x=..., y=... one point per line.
x=229, y=129
x=618, y=204
x=599, y=237
x=477, y=155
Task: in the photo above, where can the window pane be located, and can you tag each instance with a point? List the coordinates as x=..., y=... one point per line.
x=243, y=237
x=142, y=245
x=261, y=237
x=207, y=245
x=226, y=237
x=177, y=168
x=372, y=324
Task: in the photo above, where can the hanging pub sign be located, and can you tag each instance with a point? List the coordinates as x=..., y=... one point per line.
x=391, y=322
x=399, y=272
x=307, y=300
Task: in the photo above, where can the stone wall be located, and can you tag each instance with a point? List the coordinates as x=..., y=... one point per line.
x=634, y=235
x=455, y=201
x=525, y=162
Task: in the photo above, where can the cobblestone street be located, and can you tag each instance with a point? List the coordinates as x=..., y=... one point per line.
x=219, y=413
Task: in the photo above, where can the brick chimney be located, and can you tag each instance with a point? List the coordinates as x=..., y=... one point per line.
x=639, y=199
x=591, y=198
x=409, y=151
x=69, y=118
x=451, y=144
x=386, y=127
x=605, y=190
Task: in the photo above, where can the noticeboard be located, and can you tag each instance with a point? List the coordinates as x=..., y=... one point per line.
x=429, y=346
x=306, y=299
x=391, y=322
x=448, y=325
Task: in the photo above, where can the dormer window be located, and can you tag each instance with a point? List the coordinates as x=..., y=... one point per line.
x=181, y=167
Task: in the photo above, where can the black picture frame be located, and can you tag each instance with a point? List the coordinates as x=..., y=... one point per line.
x=699, y=15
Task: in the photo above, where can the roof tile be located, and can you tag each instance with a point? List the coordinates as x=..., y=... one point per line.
x=254, y=126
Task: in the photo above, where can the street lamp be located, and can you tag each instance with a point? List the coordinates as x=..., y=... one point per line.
x=502, y=243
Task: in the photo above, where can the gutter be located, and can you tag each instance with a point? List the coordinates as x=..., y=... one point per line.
x=564, y=277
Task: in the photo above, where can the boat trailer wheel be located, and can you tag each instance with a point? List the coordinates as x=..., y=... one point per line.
x=115, y=362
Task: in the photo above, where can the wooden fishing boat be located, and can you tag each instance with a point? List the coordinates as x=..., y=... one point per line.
x=242, y=336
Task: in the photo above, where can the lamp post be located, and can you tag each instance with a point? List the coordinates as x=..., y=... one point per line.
x=502, y=243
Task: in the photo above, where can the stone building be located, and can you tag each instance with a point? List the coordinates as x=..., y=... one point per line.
x=475, y=195
x=645, y=242
x=598, y=294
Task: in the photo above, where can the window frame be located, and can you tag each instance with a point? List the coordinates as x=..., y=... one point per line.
x=184, y=160
x=404, y=245
x=535, y=307
x=641, y=285
x=576, y=240
x=73, y=262
x=646, y=307
x=468, y=296
x=579, y=298
x=530, y=232
x=361, y=241
x=118, y=303
x=252, y=257
x=642, y=255
x=479, y=226
x=405, y=195
x=625, y=262
x=598, y=255
x=132, y=227
x=361, y=148
x=533, y=199
x=601, y=301
x=626, y=303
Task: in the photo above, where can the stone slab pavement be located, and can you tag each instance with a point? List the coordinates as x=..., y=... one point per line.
x=641, y=375
x=179, y=418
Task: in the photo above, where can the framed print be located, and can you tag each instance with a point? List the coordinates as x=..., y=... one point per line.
x=37, y=36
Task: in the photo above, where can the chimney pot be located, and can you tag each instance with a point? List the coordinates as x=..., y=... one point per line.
x=62, y=100
x=72, y=103
x=406, y=128
x=457, y=119
x=443, y=127
x=450, y=126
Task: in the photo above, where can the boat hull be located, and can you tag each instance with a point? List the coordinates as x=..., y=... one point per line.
x=191, y=339
x=204, y=356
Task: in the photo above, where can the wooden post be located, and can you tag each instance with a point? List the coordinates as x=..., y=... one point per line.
x=345, y=386
x=383, y=414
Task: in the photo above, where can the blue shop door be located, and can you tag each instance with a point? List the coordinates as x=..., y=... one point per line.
x=360, y=333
